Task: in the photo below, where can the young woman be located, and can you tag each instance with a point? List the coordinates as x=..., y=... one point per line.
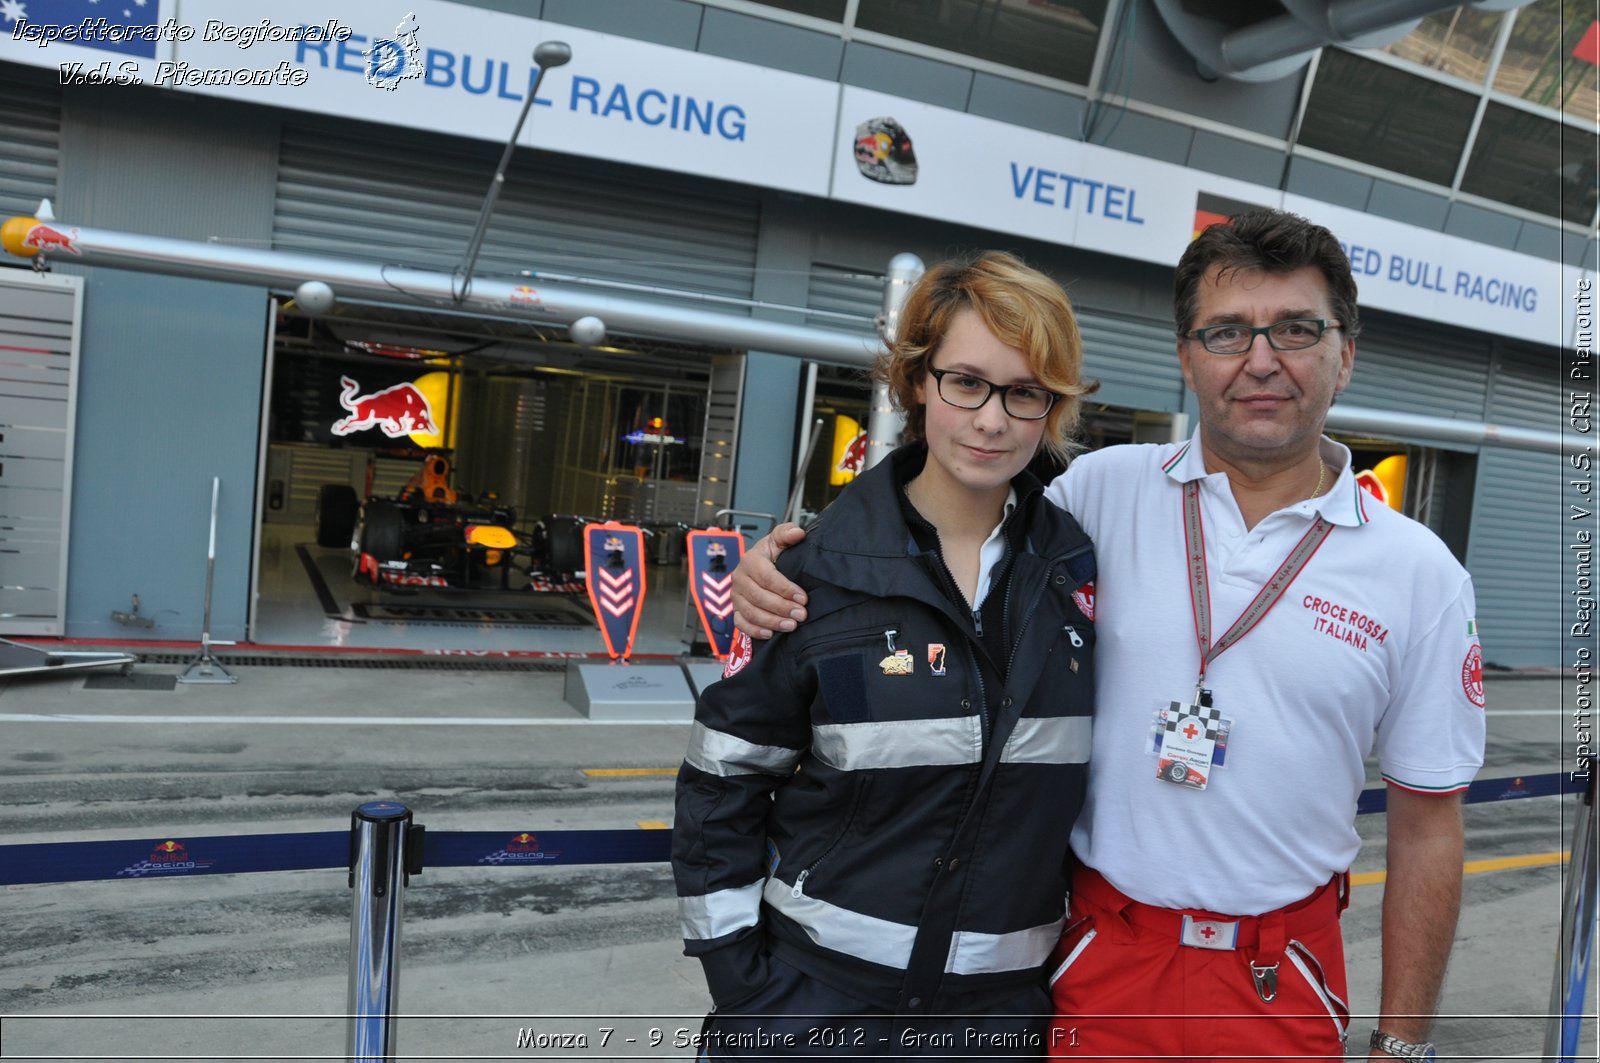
x=872, y=817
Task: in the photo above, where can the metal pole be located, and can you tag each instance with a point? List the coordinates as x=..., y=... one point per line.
x=378, y=835
x=884, y=422
x=206, y=668
x=793, y=512
x=1577, y=939
x=547, y=55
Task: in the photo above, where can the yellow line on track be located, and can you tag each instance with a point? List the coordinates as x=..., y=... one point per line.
x=614, y=773
x=655, y=824
x=1474, y=867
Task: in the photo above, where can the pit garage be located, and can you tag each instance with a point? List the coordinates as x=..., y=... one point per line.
x=426, y=476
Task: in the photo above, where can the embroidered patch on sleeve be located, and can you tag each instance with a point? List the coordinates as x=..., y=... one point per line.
x=1472, y=675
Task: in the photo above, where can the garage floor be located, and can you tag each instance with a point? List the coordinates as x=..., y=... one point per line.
x=308, y=599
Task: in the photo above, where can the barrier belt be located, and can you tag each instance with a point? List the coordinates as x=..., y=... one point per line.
x=1507, y=789
x=174, y=856
x=472, y=848
x=183, y=856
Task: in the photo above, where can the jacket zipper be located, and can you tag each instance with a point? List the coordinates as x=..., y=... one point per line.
x=798, y=889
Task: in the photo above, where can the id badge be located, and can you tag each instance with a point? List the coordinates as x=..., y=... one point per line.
x=1190, y=741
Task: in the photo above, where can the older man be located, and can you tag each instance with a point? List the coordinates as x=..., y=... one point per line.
x=1261, y=629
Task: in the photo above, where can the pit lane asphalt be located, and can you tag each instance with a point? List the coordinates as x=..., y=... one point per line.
x=217, y=963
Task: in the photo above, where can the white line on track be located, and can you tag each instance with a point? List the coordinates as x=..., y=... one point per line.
x=321, y=721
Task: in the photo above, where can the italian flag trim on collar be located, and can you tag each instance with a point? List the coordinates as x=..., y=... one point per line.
x=1361, y=504
x=1173, y=461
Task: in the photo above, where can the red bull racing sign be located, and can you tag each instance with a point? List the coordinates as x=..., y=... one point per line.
x=613, y=557
x=166, y=858
x=713, y=555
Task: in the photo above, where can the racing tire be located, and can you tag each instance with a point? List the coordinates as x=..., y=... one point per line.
x=383, y=530
x=337, y=507
x=1178, y=771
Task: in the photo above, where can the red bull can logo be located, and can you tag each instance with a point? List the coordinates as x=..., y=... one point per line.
x=398, y=410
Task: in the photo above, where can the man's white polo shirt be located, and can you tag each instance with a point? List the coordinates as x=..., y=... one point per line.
x=1373, y=646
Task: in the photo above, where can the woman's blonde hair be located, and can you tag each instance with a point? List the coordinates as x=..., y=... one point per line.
x=1022, y=307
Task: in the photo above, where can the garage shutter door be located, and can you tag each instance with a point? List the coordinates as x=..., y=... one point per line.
x=1515, y=548
x=393, y=195
x=30, y=140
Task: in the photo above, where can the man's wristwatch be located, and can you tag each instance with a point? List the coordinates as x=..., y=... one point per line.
x=1402, y=1049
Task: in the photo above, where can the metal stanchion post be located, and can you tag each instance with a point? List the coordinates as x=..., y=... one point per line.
x=1577, y=937
x=206, y=668
x=379, y=832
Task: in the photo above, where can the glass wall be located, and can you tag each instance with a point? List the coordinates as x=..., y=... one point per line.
x=1386, y=117
x=1551, y=57
x=1500, y=105
x=1044, y=36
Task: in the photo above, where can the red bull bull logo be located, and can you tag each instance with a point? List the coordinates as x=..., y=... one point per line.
x=43, y=238
x=169, y=852
x=855, y=456
x=398, y=410
x=523, y=843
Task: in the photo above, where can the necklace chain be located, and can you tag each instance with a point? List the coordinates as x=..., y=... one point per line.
x=1322, y=475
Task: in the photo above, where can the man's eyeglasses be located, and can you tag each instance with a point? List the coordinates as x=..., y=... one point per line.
x=1025, y=402
x=1293, y=334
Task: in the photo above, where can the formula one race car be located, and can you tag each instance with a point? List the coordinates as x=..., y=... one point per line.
x=427, y=536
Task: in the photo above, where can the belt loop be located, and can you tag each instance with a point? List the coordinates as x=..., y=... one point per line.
x=1269, y=953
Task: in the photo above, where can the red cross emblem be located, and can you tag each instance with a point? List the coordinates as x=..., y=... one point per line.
x=1190, y=731
x=1207, y=932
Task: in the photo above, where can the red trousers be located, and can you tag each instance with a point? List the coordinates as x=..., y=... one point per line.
x=1125, y=986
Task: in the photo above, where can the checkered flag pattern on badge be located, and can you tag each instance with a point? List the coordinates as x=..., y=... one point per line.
x=1207, y=719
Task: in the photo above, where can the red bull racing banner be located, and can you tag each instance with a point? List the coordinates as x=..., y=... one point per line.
x=713, y=555
x=613, y=557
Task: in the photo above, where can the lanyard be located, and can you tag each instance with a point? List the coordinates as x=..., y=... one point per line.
x=1200, y=591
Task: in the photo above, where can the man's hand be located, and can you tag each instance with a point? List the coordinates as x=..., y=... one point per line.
x=763, y=598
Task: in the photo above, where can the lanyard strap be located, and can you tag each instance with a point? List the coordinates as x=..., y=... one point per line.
x=1200, y=591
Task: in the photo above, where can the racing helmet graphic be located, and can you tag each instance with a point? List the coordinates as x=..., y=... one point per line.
x=883, y=152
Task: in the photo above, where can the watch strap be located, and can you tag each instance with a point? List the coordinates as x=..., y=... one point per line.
x=1383, y=1042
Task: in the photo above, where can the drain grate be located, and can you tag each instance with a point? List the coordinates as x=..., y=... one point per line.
x=387, y=663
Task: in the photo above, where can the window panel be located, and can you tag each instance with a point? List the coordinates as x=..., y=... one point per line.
x=1459, y=42
x=1382, y=116
x=1049, y=37
x=1533, y=162
x=1550, y=57
x=833, y=10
